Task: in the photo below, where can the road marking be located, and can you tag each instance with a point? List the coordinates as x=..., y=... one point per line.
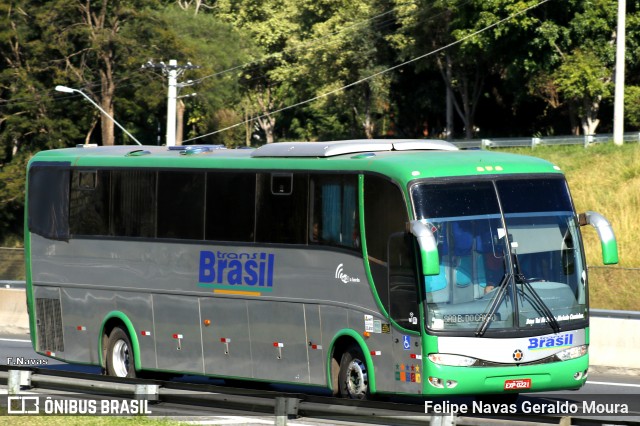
x=238, y=420
x=15, y=340
x=630, y=385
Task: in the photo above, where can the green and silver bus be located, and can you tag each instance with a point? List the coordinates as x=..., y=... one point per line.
x=365, y=266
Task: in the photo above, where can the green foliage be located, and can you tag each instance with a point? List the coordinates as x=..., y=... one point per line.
x=12, y=178
x=632, y=105
x=583, y=74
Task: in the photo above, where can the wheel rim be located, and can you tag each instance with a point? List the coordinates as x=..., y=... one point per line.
x=120, y=358
x=357, y=379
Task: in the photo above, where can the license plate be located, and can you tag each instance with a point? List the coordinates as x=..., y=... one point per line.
x=517, y=384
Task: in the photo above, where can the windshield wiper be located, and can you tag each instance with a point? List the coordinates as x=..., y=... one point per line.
x=488, y=316
x=539, y=305
x=534, y=298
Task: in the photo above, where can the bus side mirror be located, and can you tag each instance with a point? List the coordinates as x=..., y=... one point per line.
x=428, y=247
x=605, y=233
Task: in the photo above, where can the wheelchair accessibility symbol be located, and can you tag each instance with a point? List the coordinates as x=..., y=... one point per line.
x=406, y=342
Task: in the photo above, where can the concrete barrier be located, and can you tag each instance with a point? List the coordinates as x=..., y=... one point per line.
x=13, y=312
x=615, y=342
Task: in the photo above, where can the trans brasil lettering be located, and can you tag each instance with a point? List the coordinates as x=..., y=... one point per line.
x=225, y=269
x=549, y=342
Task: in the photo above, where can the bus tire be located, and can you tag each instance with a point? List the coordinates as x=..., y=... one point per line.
x=353, y=378
x=119, y=360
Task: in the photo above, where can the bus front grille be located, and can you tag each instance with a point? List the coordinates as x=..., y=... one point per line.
x=49, y=324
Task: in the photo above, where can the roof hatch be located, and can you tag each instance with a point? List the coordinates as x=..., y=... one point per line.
x=330, y=149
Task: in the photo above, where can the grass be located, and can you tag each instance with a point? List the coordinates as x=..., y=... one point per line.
x=605, y=178
x=54, y=420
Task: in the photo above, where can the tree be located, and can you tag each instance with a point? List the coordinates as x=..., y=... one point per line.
x=217, y=48
x=343, y=44
x=269, y=25
x=91, y=43
x=430, y=27
x=584, y=80
x=577, y=69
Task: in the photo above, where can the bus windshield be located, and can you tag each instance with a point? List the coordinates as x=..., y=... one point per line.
x=510, y=256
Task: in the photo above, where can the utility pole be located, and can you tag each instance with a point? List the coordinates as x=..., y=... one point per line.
x=172, y=71
x=172, y=96
x=618, y=103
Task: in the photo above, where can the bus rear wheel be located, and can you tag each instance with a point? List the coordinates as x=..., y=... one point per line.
x=353, y=379
x=120, y=354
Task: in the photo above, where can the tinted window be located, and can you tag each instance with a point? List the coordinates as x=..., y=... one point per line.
x=534, y=195
x=89, y=204
x=281, y=215
x=181, y=205
x=385, y=221
x=49, y=200
x=133, y=194
x=230, y=206
x=385, y=214
x=454, y=199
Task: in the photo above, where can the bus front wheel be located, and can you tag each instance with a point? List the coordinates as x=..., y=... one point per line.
x=120, y=354
x=353, y=378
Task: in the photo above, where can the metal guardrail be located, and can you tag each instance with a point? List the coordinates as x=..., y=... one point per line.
x=12, y=284
x=607, y=313
x=532, y=142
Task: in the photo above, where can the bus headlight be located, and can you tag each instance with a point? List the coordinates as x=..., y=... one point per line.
x=571, y=353
x=453, y=360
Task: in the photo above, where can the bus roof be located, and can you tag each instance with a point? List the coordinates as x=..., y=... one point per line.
x=402, y=160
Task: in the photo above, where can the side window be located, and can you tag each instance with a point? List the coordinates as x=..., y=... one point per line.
x=281, y=208
x=133, y=195
x=181, y=205
x=49, y=200
x=89, y=203
x=230, y=206
x=334, y=211
x=391, y=253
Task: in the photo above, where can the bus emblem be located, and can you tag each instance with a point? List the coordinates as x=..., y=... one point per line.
x=344, y=277
x=518, y=355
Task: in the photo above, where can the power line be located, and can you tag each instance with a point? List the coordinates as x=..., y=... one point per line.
x=362, y=80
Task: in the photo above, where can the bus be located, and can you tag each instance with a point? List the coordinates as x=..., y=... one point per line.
x=365, y=267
